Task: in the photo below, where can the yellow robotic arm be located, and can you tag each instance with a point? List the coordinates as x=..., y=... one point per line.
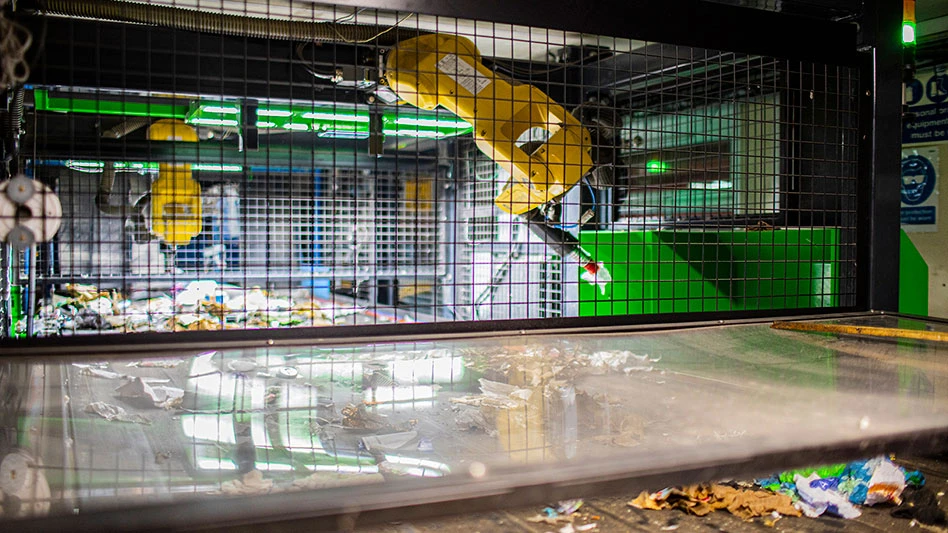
x=446, y=70
x=175, y=195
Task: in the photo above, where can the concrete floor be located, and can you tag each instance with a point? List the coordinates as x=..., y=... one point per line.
x=615, y=515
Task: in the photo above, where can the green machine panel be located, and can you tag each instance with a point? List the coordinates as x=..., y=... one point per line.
x=913, y=278
x=712, y=270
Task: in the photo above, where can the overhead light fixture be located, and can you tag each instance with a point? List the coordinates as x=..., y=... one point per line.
x=330, y=121
x=99, y=166
x=713, y=185
x=274, y=113
x=432, y=122
x=336, y=117
x=417, y=133
x=211, y=167
x=224, y=110
x=85, y=165
x=339, y=134
x=204, y=121
x=140, y=166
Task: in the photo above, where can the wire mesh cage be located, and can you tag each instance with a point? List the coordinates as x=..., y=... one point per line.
x=254, y=164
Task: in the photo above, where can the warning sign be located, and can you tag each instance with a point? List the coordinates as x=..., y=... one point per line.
x=919, y=190
x=463, y=73
x=927, y=98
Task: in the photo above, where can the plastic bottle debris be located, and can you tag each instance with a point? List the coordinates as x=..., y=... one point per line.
x=114, y=413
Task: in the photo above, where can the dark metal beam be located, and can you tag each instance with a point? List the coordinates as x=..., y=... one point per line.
x=881, y=136
x=682, y=22
x=82, y=53
x=354, y=153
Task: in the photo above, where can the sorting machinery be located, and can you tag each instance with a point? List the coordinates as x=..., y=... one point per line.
x=337, y=264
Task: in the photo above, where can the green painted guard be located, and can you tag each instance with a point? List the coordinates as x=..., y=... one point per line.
x=913, y=279
x=712, y=270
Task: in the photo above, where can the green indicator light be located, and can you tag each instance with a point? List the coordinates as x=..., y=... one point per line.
x=908, y=33
x=655, y=166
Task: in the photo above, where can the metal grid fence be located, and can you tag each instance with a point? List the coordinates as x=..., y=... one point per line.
x=247, y=176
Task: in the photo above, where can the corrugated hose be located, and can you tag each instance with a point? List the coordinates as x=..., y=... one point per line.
x=222, y=23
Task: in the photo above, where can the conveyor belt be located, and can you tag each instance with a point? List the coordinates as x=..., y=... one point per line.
x=390, y=428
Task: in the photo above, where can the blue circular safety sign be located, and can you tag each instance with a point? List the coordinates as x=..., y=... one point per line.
x=918, y=179
x=937, y=88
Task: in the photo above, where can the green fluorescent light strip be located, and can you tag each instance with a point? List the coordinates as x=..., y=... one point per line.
x=423, y=134
x=59, y=104
x=336, y=117
x=85, y=164
x=98, y=166
x=443, y=127
x=274, y=113
x=340, y=123
x=336, y=134
x=432, y=122
x=202, y=121
x=224, y=110
x=208, y=167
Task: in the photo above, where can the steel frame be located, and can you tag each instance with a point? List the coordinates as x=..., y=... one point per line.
x=735, y=29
